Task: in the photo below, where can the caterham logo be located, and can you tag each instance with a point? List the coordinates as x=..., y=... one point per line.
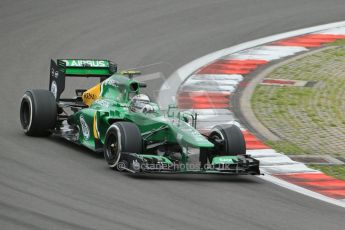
x=102, y=103
x=84, y=127
x=111, y=82
x=53, y=88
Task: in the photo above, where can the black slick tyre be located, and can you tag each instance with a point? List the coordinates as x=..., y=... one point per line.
x=38, y=112
x=230, y=138
x=121, y=137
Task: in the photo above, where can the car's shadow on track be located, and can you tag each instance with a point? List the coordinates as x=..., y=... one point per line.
x=197, y=178
x=78, y=148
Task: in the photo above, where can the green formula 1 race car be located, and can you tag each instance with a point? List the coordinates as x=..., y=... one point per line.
x=115, y=118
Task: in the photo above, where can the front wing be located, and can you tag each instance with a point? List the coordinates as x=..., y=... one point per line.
x=139, y=163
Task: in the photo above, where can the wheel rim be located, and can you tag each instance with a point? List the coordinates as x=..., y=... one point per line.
x=25, y=114
x=112, y=150
x=218, y=136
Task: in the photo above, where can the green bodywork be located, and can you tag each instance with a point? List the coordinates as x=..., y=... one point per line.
x=114, y=105
x=225, y=160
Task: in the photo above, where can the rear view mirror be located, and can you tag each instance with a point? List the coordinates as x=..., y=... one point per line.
x=142, y=85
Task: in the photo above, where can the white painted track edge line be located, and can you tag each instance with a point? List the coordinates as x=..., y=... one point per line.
x=301, y=190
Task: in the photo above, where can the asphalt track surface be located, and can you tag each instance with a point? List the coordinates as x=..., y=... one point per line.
x=51, y=184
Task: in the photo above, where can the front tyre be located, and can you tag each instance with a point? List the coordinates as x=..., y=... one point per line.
x=38, y=112
x=228, y=140
x=121, y=137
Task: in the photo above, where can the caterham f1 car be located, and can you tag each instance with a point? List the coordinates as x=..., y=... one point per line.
x=115, y=118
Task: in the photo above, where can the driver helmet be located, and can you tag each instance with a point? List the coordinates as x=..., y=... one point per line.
x=141, y=103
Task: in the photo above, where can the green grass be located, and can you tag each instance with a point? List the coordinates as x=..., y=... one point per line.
x=285, y=147
x=337, y=171
x=339, y=42
x=306, y=116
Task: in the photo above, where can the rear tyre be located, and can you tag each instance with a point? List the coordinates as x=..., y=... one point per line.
x=38, y=112
x=228, y=140
x=121, y=137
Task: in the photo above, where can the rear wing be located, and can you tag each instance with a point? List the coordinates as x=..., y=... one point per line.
x=63, y=68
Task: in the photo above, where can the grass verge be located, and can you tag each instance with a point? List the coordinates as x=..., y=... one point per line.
x=339, y=42
x=309, y=120
x=285, y=147
x=337, y=171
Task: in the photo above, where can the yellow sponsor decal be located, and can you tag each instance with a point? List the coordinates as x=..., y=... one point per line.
x=95, y=128
x=92, y=94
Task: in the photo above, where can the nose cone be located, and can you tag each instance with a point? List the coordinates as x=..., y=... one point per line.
x=186, y=135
